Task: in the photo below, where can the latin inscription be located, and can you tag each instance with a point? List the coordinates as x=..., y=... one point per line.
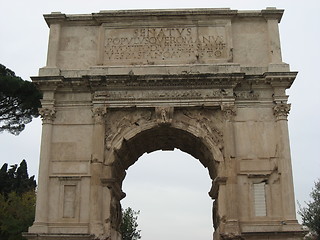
x=156, y=45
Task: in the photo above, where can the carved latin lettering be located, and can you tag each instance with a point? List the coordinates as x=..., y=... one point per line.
x=161, y=44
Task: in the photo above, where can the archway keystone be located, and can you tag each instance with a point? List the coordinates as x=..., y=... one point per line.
x=210, y=82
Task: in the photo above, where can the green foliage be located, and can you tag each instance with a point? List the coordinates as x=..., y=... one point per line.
x=311, y=214
x=128, y=227
x=16, y=214
x=17, y=201
x=16, y=179
x=19, y=101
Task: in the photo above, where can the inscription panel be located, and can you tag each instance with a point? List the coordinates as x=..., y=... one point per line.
x=162, y=45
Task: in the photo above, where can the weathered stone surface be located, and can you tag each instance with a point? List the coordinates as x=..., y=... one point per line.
x=210, y=82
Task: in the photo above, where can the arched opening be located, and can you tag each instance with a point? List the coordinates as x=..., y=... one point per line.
x=137, y=141
x=133, y=142
x=170, y=189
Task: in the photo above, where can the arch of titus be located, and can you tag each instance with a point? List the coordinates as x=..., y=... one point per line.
x=210, y=82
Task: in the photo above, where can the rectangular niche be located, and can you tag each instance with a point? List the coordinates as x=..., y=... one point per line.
x=69, y=198
x=259, y=197
x=69, y=201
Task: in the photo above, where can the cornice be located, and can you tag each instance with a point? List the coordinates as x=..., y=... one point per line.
x=48, y=83
x=142, y=81
x=275, y=79
x=280, y=79
x=165, y=81
x=112, y=15
x=106, y=16
x=272, y=13
x=268, y=13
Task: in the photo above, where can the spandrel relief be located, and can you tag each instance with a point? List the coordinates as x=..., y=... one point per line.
x=118, y=121
x=210, y=121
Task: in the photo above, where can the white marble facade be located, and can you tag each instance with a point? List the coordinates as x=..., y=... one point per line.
x=210, y=82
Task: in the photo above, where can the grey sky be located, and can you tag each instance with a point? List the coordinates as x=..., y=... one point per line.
x=171, y=188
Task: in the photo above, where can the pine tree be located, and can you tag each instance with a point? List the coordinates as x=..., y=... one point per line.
x=16, y=179
x=17, y=201
x=129, y=225
x=19, y=101
x=311, y=214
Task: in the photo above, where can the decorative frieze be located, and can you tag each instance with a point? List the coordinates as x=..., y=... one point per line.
x=156, y=94
x=184, y=80
x=246, y=95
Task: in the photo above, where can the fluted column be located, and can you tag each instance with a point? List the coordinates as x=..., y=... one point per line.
x=281, y=111
x=41, y=218
x=98, y=144
x=232, y=223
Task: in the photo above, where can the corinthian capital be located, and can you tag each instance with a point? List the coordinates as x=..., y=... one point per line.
x=99, y=113
x=281, y=111
x=48, y=114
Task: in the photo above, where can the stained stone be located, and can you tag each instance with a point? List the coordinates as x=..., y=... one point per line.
x=210, y=82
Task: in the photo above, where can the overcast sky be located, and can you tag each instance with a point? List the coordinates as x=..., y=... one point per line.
x=173, y=200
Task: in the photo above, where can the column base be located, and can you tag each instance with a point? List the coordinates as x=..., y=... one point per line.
x=56, y=236
x=231, y=226
x=96, y=228
x=38, y=228
x=281, y=231
x=274, y=236
x=260, y=231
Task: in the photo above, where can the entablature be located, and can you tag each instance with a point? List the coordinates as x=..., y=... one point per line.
x=180, y=90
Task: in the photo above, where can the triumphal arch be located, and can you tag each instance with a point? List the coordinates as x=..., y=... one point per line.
x=210, y=82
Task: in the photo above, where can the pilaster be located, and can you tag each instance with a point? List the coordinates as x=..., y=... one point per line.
x=97, y=159
x=41, y=217
x=281, y=111
x=232, y=220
